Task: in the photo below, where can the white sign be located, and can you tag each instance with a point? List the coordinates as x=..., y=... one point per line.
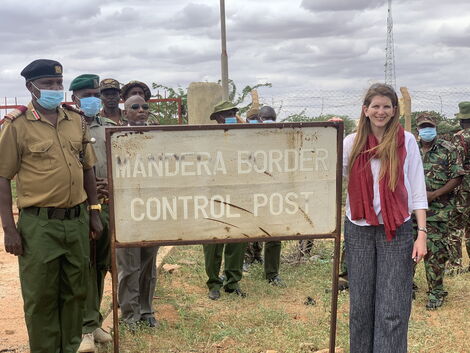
x=234, y=183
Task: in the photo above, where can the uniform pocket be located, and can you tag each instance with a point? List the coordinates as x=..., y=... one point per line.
x=41, y=154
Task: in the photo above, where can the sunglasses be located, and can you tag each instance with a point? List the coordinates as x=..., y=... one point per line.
x=136, y=106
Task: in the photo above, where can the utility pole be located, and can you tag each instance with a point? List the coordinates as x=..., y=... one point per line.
x=224, y=57
x=390, y=78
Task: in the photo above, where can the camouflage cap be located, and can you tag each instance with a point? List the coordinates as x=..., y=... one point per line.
x=223, y=107
x=85, y=81
x=464, y=111
x=110, y=83
x=127, y=87
x=425, y=117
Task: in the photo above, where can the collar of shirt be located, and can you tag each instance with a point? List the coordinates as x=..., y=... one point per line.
x=34, y=115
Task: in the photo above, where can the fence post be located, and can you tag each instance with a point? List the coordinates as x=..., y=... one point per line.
x=407, y=106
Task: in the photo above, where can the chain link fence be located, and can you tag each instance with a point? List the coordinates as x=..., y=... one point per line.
x=314, y=103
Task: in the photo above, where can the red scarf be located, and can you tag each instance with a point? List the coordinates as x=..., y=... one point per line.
x=394, y=204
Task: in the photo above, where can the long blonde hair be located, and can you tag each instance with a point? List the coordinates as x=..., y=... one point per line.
x=386, y=150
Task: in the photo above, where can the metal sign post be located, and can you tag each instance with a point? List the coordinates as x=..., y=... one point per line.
x=200, y=184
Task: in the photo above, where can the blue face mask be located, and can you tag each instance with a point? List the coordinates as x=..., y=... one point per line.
x=230, y=120
x=427, y=133
x=49, y=99
x=90, y=106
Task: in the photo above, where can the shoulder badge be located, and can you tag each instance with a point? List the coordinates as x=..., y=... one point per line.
x=15, y=113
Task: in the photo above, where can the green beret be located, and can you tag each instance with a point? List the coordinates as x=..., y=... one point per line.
x=222, y=107
x=42, y=68
x=85, y=81
x=464, y=111
x=127, y=87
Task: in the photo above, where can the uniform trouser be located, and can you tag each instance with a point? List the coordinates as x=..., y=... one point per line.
x=137, y=276
x=100, y=263
x=436, y=258
x=272, y=259
x=380, y=287
x=233, y=264
x=253, y=251
x=455, y=240
x=53, y=275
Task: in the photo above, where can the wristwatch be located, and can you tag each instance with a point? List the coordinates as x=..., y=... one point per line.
x=95, y=207
x=423, y=229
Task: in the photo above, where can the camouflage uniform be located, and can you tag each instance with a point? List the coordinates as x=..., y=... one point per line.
x=441, y=164
x=462, y=140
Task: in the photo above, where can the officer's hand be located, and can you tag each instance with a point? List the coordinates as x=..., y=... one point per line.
x=431, y=196
x=96, y=227
x=13, y=243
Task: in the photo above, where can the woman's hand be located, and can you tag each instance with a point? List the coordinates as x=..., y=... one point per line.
x=419, y=247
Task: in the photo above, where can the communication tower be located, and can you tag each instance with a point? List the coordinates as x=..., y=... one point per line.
x=389, y=51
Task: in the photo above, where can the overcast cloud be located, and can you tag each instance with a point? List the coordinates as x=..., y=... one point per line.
x=296, y=45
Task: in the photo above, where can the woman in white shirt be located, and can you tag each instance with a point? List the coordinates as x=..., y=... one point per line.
x=385, y=185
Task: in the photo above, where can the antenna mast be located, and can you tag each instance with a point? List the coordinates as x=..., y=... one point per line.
x=390, y=78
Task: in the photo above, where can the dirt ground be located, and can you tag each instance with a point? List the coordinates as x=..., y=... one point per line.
x=13, y=333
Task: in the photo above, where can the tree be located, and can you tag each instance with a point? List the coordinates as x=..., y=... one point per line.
x=238, y=98
x=349, y=124
x=167, y=112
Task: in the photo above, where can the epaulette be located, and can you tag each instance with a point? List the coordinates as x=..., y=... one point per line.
x=15, y=113
x=72, y=109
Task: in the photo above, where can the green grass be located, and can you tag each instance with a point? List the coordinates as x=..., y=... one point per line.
x=277, y=318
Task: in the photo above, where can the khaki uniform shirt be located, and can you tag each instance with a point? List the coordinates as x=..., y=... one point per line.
x=46, y=159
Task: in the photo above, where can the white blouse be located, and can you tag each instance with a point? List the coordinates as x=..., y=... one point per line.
x=414, y=178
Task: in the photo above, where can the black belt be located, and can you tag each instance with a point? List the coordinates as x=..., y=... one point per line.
x=55, y=213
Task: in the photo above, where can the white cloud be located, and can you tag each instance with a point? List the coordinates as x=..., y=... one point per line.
x=296, y=45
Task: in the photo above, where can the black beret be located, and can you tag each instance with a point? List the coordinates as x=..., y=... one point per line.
x=85, y=81
x=42, y=68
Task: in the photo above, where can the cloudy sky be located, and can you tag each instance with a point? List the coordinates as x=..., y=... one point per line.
x=294, y=44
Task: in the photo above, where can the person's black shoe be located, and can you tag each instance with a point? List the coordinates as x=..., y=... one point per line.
x=237, y=291
x=277, y=281
x=150, y=321
x=214, y=294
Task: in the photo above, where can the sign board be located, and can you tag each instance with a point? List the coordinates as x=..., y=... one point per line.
x=225, y=183
x=195, y=184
